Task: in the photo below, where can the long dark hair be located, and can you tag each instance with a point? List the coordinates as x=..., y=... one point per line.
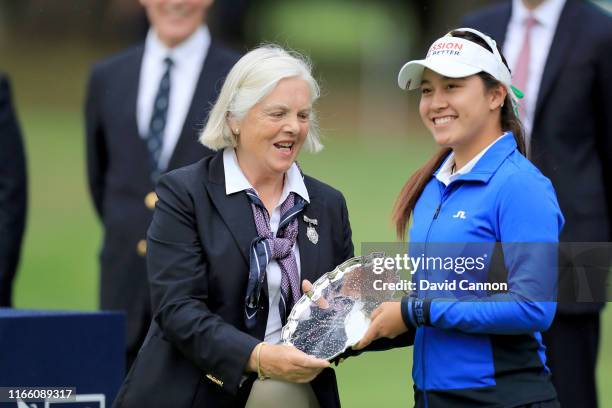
x=410, y=193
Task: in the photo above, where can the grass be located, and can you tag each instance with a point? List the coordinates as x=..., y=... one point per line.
x=59, y=263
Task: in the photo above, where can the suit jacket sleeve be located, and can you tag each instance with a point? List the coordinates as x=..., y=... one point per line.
x=13, y=193
x=602, y=102
x=178, y=273
x=96, y=153
x=348, y=249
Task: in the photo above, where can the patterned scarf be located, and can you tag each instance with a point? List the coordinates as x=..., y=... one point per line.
x=267, y=247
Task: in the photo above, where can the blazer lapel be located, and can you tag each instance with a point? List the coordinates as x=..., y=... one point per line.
x=234, y=209
x=309, y=251
x=203, y=96
x=563, y=39
x=130, y=80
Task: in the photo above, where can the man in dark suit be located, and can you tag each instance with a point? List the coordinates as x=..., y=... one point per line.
x=13, y=193
x=144, y=109
x=561, y=52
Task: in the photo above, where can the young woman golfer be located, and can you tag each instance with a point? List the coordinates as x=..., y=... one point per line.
x=475, y=347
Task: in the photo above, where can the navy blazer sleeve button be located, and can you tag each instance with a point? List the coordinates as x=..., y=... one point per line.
x=150, y=200
x=141, y=247
x=215, y=380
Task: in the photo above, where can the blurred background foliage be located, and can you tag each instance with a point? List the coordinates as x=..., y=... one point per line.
x=373, y=135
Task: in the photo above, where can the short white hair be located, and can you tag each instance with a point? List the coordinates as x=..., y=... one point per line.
x=253, y=77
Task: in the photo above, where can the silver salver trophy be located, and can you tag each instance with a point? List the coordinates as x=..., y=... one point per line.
x=334, y=315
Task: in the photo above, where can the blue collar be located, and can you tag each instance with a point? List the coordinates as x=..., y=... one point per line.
x=490, y=161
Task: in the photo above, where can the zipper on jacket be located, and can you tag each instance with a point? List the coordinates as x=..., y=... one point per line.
x=443, y=196
x=435, y=216
x=423, y=359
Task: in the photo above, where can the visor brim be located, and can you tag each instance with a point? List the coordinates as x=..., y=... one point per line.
x=411, y=74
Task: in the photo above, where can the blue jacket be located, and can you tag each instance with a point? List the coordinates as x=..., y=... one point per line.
x=477, y=346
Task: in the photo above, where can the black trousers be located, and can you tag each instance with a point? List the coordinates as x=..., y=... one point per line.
x=572, y=344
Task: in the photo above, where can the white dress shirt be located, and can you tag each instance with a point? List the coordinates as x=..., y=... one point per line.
x=445, y=174
x=188, y=58
x=235, y=181
x=547, y=16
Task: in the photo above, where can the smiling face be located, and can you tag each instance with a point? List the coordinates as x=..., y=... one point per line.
x=274, y=130
x=460, y=113
x=175, y=20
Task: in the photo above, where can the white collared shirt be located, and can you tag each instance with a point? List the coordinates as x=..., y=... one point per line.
x=547, y=15
x=188, y=59
x=445, y=175
x=235, y=181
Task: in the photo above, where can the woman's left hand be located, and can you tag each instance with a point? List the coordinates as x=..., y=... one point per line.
x=386, y=322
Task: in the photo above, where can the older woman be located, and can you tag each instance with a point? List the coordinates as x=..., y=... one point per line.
x=231, y=239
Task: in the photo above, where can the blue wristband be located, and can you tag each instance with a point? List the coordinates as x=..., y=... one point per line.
x=406, y=307
x=421, y=312
x=417, y=312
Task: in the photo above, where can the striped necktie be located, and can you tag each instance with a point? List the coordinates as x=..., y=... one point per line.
x=159, y=117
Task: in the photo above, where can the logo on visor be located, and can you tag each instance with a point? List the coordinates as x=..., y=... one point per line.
x=445, y=48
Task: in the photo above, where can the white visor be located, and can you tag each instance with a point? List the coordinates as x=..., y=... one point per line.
x=455, y=57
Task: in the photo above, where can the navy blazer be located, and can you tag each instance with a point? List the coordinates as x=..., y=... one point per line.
x=13, y=192
x=571, y=137
x=198, y=260
x=119, y=178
